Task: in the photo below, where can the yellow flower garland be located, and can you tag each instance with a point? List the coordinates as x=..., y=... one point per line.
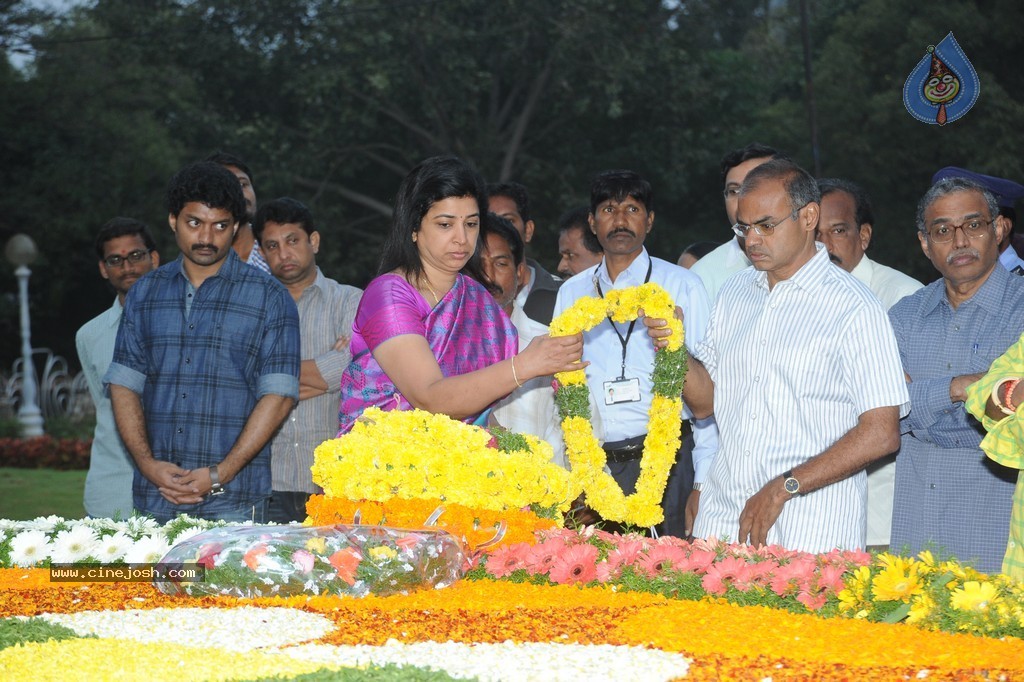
x=414, y=454
x=585, y=455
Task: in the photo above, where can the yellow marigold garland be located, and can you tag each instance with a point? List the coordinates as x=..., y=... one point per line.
x=414, y=454
x=585, y=455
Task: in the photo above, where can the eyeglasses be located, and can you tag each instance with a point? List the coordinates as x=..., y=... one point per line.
x=945, y=232
x=134, y=257
x=762, y=229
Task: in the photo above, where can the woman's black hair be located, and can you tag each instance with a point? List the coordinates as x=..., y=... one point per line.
x=435, y=179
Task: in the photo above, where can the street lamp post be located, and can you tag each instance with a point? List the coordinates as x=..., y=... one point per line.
x=21, y=252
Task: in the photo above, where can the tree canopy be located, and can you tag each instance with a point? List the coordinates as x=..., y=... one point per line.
x=332, y=101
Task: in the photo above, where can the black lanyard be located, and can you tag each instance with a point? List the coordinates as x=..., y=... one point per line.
x=624, y=340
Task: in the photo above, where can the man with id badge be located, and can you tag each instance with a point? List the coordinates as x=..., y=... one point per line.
x=621, y=356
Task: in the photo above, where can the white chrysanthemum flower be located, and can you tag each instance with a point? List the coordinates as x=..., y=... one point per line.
x=187, y=533
x=73, y=545
x=147, y=550
x=246, y=628
x=113, y=547
x=29, y=548
x=138, y=526
x=45, y=524
x=102, y=524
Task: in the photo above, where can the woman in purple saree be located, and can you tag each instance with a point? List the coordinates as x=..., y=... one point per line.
x=427, y=333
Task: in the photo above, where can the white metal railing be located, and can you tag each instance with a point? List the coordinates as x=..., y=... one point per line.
x=59, y=393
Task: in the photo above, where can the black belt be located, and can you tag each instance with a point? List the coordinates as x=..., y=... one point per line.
x=633, y=448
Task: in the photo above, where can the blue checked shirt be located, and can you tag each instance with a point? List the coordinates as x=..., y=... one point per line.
x=201, y=359
x=949, y=497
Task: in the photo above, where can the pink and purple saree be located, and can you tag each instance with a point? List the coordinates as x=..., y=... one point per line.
x=467, y=330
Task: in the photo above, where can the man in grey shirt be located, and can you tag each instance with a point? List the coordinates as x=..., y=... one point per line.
x=126, y=251
x=289, y=240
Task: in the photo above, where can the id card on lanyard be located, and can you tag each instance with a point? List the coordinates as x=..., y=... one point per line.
x=623, y=389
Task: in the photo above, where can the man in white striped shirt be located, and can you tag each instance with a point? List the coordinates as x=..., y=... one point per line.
x=290, y=242
x=801, y=369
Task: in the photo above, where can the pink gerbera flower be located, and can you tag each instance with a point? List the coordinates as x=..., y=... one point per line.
x=697, y=561
x=673, y=540
x=606, y=572
x=505, y=560
x=709, y=544
x=723, y=573
x=660, y=558
x=576, y=564
x=794, y=576
x=542, y=555
x=830, y=578
x=813, y=601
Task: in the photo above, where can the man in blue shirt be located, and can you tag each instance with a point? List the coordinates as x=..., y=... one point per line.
x=950, y=497
x=126, y=251
x=621, y=356
x=206, y=363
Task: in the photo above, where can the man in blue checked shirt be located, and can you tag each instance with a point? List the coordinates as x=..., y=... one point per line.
x=206, y=363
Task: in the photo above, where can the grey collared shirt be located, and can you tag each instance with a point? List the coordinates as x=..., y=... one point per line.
x=326, y=312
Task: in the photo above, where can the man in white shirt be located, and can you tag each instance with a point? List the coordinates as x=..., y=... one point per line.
x=845, y=228
x=537, y=287
x=729, y=258
x=801, y=369
x=621, y=356
x=529, y=408
x=578, y=247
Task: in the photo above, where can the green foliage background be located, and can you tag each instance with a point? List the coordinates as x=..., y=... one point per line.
x=332, y=101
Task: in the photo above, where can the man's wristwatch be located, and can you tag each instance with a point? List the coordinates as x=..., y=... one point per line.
x=215, y=487
x=791, y=484
x=698, y=486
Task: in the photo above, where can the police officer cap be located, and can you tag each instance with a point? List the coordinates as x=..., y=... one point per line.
x=1007, y=192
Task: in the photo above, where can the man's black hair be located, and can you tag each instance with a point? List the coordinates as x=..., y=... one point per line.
x=123, y=227
x=208, y=183
x=283, y=210
x=514, y=191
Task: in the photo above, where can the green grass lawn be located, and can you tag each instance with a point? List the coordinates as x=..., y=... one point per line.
x=28, y=493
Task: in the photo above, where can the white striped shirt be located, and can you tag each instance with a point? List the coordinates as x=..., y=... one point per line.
x=794, y=368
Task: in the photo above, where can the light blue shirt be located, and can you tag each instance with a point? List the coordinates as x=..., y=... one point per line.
x=603, y=349
x=108, y=485
x=1010, y=260
x=948, y=494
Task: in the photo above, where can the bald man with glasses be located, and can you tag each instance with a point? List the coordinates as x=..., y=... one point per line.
x=801, y=370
